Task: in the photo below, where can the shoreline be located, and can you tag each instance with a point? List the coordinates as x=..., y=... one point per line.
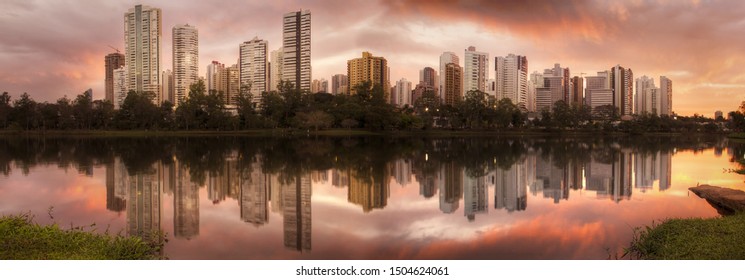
x=285, y=132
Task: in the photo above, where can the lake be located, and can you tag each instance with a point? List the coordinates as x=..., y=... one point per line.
x=367, y=197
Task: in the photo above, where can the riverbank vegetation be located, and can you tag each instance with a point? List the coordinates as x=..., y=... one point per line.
x=22, y=239
x=692, y=239
x=369, y=109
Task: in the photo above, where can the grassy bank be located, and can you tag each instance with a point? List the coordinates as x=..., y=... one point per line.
x=22, y=239
x=692, y=239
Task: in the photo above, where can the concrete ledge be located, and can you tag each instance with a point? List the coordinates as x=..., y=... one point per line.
x=726, y=201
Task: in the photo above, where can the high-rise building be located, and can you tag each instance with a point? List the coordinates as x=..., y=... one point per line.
x=296, y=67
x=112, y=61
x=119, y=86
x=253, y=68
x=368, y=68
x=644, y=101
x=622, y=83
x=321, y=85
x=142, y=42
x=275, y=68
x=428, y=76
x=185, y=60
x=598, y=91
x=339, y=84
x=511, y=77
x=577, y=91
x=233, y=81
x=453, y=77
x=536, y=81
x=167, y=90
x=559, y=71
x=215, y=79
x=445, y=58
x=666, y=96
x=402, y=95
x=476, y=70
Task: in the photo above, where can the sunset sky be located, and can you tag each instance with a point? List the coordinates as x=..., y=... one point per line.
x=55, y=48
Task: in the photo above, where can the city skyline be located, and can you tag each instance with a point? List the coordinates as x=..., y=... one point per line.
x=653, y=39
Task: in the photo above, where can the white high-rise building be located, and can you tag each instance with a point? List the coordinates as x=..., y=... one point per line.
x=120, y=86
x=402, y=96
x=142, y=44
x=445, y=58
x=296, y=67
x=622, y=80
x=215, y=71
x=185, y=60
x=536, y=81
x=511, y=76
x=643, y=101
x=253, y=67
x=275, y=69
x=598, y=91
x=476, y=70
x=666, y=96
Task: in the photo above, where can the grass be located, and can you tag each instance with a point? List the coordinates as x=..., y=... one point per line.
x=22, y=239
x=720, y=238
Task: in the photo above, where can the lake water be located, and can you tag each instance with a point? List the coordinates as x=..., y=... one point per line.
x=367, y=197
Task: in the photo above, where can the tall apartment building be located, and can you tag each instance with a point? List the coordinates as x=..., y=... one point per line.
x=535, y=82
x=142, y=45
x=453, y=79
x=321, y=85
x=598, y=91
x=402, y=95
x=185, y=60
x=296, y=67
x=232, y=79
x=275, y=68
x=428, y=76
x=368, y=68
x=445, y=58
x=577, y=91
x=558, y=71
x=119, y=86
x=511, y=79
x=112, y=62
x=215, y=72
x=254, y=72
x=476, y=70
x=622, y=83
x=644, y=101
x=168, y=88
x=339, y=84
x=666, y=96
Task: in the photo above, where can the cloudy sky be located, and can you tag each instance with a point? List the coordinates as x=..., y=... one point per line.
x=55, y=48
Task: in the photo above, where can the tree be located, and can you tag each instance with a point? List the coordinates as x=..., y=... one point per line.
x=314, y=119
x=474, y=108
x=5, y=109
x=83, y=109
x=25, y=112
x=137, y=111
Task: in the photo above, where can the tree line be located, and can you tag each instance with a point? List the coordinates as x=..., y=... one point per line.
x=289, y=107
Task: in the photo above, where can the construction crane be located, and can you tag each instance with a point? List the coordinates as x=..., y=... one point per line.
x=113, y=48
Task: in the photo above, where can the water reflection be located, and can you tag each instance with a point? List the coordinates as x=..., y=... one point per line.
x=276, y=177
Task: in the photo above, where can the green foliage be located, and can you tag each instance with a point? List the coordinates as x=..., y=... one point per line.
x=691, y=239
x=21, y=239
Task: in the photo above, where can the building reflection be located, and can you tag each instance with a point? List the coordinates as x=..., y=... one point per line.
x=369, y=188
x=451, y=184
x=651, y=167
x=609, y=175
x=140, y=194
